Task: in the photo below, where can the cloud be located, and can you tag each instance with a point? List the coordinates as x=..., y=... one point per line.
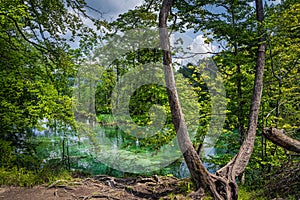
x=194, y=48
x=112, y=8
x=199, y=46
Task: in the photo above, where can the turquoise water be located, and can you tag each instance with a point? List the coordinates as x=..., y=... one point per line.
x=108, y=150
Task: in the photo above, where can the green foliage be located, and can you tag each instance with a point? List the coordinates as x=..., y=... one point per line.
x=27, y=169
x=17, y=177
x=105, y=119
x=37, y=70
x=36, y=66
x=26, y=178
x=282, y=85
x=128, y=20
x=186, y=186
x=103, y=93
x=7, y=156
x=245, y=194
x=143, y=99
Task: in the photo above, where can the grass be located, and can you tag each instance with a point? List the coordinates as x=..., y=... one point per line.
x=105, y=118
x=244, y=194
x=27, y=178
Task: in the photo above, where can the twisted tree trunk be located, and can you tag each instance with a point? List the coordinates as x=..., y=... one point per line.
x=222, y=185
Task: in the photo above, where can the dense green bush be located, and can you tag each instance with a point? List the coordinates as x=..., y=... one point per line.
x=24, y=177
x=7, y=156
x=24, y=169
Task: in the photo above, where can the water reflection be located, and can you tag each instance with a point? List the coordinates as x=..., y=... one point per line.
x=107, y=150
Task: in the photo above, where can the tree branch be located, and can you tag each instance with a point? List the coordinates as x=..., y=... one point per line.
x=22, y=34
x=279, y=138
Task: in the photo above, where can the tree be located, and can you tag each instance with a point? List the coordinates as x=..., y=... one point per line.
x=222, y=185
x=281, y=80
x=37, y=64
x=230, y=23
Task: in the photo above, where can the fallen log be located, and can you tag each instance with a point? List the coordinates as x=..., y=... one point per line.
x=279, y=138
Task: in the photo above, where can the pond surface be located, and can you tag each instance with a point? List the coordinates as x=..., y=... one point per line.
x=98, y=149
x=107, y=150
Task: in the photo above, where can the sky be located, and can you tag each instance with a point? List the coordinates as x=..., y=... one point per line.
x=112, y=8
x=194, y=43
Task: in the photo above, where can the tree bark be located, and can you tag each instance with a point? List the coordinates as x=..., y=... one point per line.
x=222, y=185
x=279, y=138
x=238, y=164
x=197, y=169
x=218, y=186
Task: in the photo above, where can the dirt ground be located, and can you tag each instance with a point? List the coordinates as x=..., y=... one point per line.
x=102, y=187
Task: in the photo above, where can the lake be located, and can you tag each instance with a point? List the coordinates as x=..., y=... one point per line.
x=108, y=150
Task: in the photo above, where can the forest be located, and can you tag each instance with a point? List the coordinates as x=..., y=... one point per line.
x=164, y=99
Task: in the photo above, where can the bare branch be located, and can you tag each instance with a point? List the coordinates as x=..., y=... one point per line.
x=194, y=54
x=95, y=10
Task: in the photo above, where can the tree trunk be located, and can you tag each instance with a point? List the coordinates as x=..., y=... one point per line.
x=222, y=185
x=238, y=164
x=279, y=138
x=197, y=169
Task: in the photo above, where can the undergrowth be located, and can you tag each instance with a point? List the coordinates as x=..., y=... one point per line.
x=27, y=178
x=27, y=169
